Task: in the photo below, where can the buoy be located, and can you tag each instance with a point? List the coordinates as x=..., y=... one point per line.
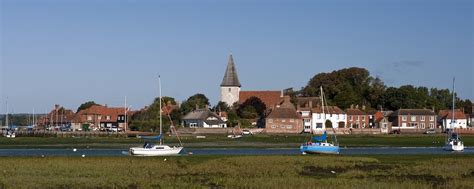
x=74, y=150
x=333, y=172
x=83, y=155
x=42, y=156
x=164, y=159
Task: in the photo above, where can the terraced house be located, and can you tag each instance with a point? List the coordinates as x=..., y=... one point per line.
x=356, y=118
x=413, y=119
x=98, y=117
x=284, y=119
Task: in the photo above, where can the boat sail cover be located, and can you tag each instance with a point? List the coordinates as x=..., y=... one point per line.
x=321, y=138
x=158, y=137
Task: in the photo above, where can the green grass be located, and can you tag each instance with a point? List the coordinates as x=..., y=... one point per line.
x=256, y=141
x=422, y=171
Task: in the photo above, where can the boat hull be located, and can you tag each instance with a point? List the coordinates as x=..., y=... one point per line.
x=456, y=148
x=316, y=149
x=155, y=152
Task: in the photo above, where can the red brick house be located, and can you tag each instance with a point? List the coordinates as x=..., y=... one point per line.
x=58, y=117
x=283, y=118
x=357, y=119
x=413, y=119
x=98, y=117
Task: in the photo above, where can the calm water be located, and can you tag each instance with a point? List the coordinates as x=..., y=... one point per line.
x=226, y=151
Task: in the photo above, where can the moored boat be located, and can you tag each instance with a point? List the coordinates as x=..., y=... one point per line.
x=453, y=141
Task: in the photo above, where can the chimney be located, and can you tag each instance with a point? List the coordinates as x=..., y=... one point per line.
x=106, y=105
x=281, y=95
x=310, y=103
x=206, y=107
x=357, y=106
x=363, y=107
x=56, y=106
x=352, y=106
x=197, y=106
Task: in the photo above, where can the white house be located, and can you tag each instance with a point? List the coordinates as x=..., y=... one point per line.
x=334, y=114
x=203, y=118
x=446, y=117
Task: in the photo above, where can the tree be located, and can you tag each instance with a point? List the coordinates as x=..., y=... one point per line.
x=190, y=104
x=86, y=105
x=221, y=107
x=252, y=108
x=149, y=119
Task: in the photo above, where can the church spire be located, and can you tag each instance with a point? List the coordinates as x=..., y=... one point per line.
x=230, y=77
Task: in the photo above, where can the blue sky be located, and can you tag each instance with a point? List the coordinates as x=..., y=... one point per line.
x=71, y=51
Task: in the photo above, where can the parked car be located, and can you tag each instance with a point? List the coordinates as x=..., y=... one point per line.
x=430, y=131
x=396, y=131
x=247, y=132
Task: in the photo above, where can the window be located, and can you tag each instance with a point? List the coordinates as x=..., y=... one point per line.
x=404, y=118
x=431, y=118
x=413, y=118
x=292, y=120
x=283, y=120
x=413, y=124
x=319, y=116
x=422, y=118
x=89, y=118
x=307, y=120
x=100, y=117
x=422, y=125
x=337, y=116
x=431, y=125
x=289, y=127
x=404, y=124
x=350, y=118
x=282, y=126
x=229, y=89
x=273, y=126
x=343, y=116
x=357, y=118
x=319, y=125
x=270, y=120
x=363, y=125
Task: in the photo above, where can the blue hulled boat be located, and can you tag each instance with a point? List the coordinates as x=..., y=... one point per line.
x=319, y=145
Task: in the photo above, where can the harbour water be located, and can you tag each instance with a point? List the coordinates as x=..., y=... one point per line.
x=230, y=151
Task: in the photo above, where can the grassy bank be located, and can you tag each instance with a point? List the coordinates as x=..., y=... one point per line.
x=257, y=141
x=240, y=171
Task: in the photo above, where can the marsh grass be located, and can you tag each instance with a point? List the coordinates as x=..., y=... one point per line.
x=239, y=172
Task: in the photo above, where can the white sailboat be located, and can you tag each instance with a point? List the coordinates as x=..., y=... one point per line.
x=10, y=133
x=453, y=142
x=149, y=149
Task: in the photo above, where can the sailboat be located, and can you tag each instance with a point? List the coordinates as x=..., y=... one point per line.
x=320, y=144
x=10, y=132
x=453, y=142
x=149, y=149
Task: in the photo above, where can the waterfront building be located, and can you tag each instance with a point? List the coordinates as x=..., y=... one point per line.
x=283, y=118
x=333, y=114
x=203, y=118
x=445, y=118
x=413, y=119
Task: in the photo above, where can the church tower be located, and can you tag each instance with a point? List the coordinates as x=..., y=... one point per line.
x=230, y=86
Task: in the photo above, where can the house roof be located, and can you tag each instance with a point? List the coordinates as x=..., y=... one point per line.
x=269, y=98
x=230, y=78
x=285, y=110
x=354, y=111
x=328, y=110
x=448, y=114
x=413, y=112
x=202, y=114
x=99, y=110
x=305, y=102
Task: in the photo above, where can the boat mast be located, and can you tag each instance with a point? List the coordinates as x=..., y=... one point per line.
x=6, y=115
x=322, y=104
x=161, y=129
x=453, y=122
